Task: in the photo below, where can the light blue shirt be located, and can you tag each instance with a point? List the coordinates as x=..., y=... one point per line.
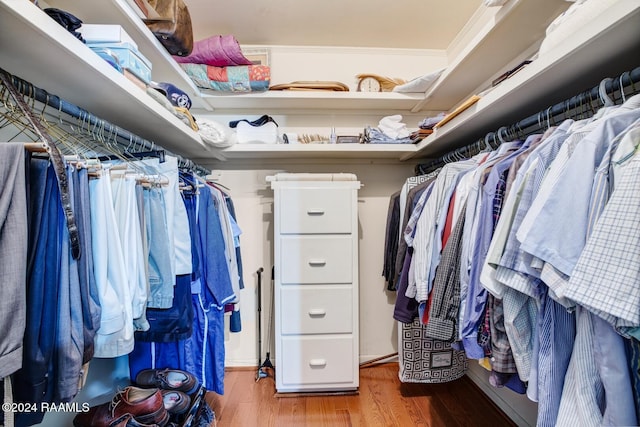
x=513, y=270
x=597, y=388
x=476, y=293
x=558, y=239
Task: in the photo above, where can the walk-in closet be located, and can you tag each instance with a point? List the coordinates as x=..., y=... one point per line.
x=351, y=213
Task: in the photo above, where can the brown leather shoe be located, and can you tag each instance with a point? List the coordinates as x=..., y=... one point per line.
x=168, y=379
x=144, y=405
x=127, y=420
x=175, y=402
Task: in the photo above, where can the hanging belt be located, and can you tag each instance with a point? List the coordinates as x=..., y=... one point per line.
x=56, y=159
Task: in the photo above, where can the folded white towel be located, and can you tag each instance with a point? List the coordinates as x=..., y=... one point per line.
x=393, y=127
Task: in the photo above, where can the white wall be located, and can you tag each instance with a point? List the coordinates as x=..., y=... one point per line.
x=291, y=63
x=253, y=200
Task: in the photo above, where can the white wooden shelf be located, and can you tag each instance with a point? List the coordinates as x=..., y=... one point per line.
x=165, y=69
x=506, y=33
x=605, y=48
x=324, y=151
x=312, y=100
x=43, y=53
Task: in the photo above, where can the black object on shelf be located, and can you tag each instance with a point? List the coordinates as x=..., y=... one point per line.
x=510, y=73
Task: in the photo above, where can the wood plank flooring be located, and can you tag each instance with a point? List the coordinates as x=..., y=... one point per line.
x=383, y=401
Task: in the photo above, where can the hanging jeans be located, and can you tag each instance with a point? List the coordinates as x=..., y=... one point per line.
x=161, y=280
x=174, y=323
x=215, y=269
x=13, y=256
x=163, y=345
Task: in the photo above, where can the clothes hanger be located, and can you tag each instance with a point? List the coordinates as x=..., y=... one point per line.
x=56, y=160
x=487, y=143
x=604, y=96
x=501, y=132
x=624, y=99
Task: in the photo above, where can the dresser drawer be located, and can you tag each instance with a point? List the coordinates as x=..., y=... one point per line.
x=317, y=360
x=316, y=310
x=316, y=211
x=316, y=259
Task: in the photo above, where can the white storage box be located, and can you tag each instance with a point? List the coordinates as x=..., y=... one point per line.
x=106, y=33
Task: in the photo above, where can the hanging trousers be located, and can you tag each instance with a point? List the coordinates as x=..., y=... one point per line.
x=13, y=256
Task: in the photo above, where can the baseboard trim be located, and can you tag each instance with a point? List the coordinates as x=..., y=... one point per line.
x=475, y=375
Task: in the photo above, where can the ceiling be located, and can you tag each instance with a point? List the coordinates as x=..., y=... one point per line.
x=411, y=24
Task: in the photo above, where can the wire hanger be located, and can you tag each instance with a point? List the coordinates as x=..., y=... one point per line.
x=57, y=162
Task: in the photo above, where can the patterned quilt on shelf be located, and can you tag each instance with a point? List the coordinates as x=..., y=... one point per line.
x=241, y=78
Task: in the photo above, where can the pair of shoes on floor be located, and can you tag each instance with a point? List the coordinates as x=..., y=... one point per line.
x=127, y=420
x=131, y=407
x=174, y=384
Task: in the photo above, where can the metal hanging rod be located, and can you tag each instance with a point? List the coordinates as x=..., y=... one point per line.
x=578, y=106
x=61, y=105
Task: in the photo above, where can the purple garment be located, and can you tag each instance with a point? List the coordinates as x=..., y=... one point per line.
x=406, y=309
x=218, y=51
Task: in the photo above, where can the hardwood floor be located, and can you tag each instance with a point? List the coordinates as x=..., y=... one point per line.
x=383, y=401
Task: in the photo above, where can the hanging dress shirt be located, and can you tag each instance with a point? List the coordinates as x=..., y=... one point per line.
x=427, y=243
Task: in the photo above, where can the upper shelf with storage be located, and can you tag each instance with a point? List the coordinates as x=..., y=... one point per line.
x=293, y=101
x=43, y=53
x=494, y=38
x=491, y=40
x=607, y=47
x=119, y=12
x=323, y=151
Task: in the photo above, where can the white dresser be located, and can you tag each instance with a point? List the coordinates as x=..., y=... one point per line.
x=316, y=281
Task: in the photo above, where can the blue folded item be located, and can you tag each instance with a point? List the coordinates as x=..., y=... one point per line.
x=128, y=58
x=110, y=58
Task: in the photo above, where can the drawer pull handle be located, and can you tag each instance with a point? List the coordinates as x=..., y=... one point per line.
x=317, y=262
x=317, y=363
x=317, y=312
x=315, y=212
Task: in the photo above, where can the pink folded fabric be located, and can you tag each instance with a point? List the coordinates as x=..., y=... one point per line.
x=219, y=51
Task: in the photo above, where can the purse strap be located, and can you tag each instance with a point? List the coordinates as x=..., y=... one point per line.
x=56, y=159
